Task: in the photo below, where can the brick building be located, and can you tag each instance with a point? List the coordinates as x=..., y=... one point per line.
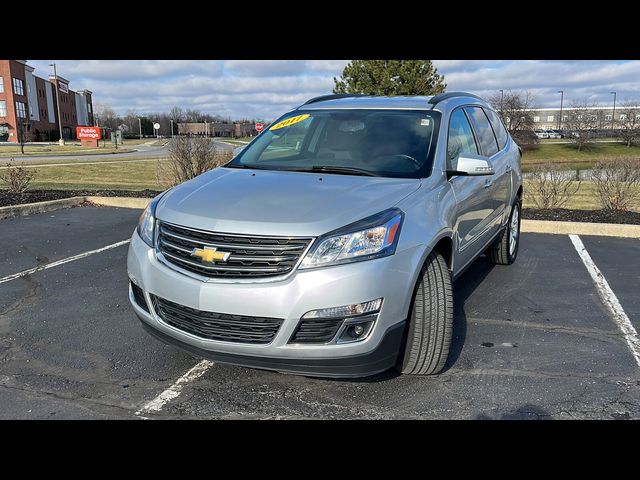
x=29, y=102
x=217, y=129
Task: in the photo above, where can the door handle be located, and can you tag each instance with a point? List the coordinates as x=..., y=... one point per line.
x=487, y=183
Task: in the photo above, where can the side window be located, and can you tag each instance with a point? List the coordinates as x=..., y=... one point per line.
x=498, y=127
x=486, y=137
x=460, y=139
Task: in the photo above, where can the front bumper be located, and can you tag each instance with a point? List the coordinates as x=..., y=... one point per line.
x=391, y=278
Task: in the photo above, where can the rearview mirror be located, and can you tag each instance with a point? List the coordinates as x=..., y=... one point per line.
x=472, y=166
x=236, y=151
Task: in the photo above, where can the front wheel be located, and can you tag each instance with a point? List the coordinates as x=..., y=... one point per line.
x=430, y=320
x=505, y=250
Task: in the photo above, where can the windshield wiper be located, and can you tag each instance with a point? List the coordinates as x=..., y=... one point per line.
x=341, y=170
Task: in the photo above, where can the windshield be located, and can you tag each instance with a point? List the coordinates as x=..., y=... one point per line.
x=389, y=143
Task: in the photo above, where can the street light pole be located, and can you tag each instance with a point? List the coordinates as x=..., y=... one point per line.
x=55, y=76
x=561, y=92
x=501, y=100
x=140, y=127
x=613, y=115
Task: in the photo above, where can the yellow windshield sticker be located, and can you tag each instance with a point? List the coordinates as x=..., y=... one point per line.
x=290, y=121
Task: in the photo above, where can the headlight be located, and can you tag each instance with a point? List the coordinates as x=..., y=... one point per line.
x=147, y=221
x=373, y=237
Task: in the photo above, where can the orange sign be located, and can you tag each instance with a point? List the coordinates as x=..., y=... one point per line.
x=89, y=133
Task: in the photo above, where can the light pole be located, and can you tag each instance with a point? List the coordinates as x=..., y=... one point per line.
x=501, y=99
x=140, y=127
x=55, y=76
x=613, y=115
x=561, y=92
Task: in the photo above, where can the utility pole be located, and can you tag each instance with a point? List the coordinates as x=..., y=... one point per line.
x=55, y=76
x=613, y=116
x=561, y=92
x=140, y=127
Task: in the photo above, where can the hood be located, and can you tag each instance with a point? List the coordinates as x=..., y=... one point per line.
x=267, y=202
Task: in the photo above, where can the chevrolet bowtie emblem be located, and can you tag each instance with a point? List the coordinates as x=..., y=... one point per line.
x=210, y=255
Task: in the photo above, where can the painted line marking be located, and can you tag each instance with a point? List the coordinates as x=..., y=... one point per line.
x=61, y=262
x=174, y=390
x=609, y=299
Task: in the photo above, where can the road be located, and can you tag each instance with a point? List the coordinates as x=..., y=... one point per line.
x=141, y=151
x=532, y=340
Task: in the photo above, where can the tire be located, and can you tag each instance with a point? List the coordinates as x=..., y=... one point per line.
x=430, y=320
x=504, y=251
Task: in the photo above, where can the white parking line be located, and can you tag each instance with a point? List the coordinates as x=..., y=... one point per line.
x=174, y=390
x=61, y=262
x=609, y=299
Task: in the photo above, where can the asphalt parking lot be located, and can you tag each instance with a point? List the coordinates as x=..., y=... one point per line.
x=533, y=340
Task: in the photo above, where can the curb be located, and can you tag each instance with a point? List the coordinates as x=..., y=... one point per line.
x=527, y=226
x=123, y=202
x=580, y=228
x=39, y=207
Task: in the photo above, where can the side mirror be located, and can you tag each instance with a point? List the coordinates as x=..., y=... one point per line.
x=237, y=150
x=472, y=166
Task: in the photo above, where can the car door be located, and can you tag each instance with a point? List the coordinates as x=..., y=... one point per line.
x=498, y=185
x=471, y=196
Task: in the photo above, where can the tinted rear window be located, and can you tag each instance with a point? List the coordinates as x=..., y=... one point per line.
x=498, y=127
x=486, y=138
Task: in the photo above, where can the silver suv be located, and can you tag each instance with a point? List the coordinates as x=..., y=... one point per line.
x=328, y=246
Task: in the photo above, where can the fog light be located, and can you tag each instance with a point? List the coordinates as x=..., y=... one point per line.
x=356, y=329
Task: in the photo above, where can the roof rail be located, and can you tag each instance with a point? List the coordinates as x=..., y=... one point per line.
x=446, y=95
x=334, y=96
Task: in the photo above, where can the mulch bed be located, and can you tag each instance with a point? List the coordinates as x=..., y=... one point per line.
x=591, y=216
x=557, y=214
x=7, y=198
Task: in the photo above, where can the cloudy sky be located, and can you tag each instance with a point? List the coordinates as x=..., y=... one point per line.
x=265, y=89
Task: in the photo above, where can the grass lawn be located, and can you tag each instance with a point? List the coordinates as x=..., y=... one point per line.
x=130, y=175
x=568, y=155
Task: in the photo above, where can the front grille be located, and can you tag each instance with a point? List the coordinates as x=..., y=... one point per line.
x=251, y=256
x=217, y=326
x=316, y=331
x=138, y=296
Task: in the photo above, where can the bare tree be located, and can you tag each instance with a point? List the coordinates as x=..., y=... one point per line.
x=516, y=110
x=188, y=158
x=106, y=116
x=23, y=131
x=629, y=122
x=582, y=120
x=550, y=186
x=617, y=182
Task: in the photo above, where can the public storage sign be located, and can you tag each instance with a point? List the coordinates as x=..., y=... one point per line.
x=88, y=133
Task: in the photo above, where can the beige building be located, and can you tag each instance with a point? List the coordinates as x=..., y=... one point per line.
x=217, y=129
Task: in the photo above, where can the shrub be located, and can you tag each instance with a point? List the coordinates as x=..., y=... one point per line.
x=617, y=182
x=526, y=139
x=188, y=158
x=17, y=177
x=550, y=186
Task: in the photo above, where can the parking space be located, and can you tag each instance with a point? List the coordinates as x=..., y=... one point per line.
x=533, y=340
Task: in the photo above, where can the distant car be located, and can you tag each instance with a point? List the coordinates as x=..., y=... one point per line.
x=541, y=133
x=553, y=134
